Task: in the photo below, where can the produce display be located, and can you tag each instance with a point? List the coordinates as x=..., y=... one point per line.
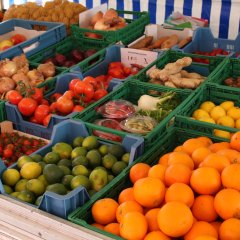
x=225, y=114
x=147, y=43
x=52, y=11
x=14, y=40
x=232, y=82
x=16, y=74
x=190, y=193
x=84, y=162
x=173, y=75
x=14, y=145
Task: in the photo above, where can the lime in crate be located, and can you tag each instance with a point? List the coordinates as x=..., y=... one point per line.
x=151, y=123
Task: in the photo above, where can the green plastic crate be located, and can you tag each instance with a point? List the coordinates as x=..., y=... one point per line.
x=134, y=29
x=131, y=91
x=175, y=136
x=172, y=56
x=2, y=111
x=228, y=68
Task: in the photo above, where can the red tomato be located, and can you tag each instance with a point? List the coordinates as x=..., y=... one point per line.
x=14, y=97
x=27, y=106
x=7, y=153
x=44, y=102
x=37, y=94
x=116, y=73
x=127, y=71
x=41, y=112
x=53, y=107
x=100, y=93
x=84, y=90
x=101, y=78
x=18, y=38
x=10, y=146
x=64, y=105
x=55, y=97
x=78, y=108
x=69, y=94
x=33, y=120
x=73, y=83
x=91, y=80
x=115, y=65
x=46, y=120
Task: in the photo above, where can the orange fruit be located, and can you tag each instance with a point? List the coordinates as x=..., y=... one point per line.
x=157, y=171
x=219, y=146
x=192, y=144
x=230, y=229
x=231, y=154
x=203, y=208
x=199, y=154
x=216, y=161
x=180, y=192
x=205, y=237
x=206, y=140
x=205, y=180
x=156, y=235
x=112, y=228
x=97, y=225
x=181, y=157
x=227, y=203
x=149, y=192
x=151, y=217
x=237, y=160
x=235, y=141
x=177, y=173
x=126, y=207
x=126, y=195
x=104, y=211
x=133, y=226
x=231, y=176
x=178, y=149
x=175, y=219
x=216, y=225
x=164, y=159
x=138, y=171
x=201, y=228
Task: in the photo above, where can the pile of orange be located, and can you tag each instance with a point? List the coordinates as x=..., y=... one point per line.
x=193, y=193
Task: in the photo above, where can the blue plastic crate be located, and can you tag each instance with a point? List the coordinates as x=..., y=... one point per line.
x=203, y=40
x=55, y=32
x=62, y=205
x=22, y=125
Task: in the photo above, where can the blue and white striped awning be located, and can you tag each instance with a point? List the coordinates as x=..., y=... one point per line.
x=223, y=15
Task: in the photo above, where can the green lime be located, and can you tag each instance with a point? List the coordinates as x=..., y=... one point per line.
x=42, y=164
x=7, y=189
x=58, y=188
x=126, y=157
x=91, y=192
x=10, y=177
x=116, y=150
x=36, y=157
x=31, y=170
x=80, y=160
x=90, y=142
x=108, y=160
x=110, y=178
x=78, y=151
x=63, y=149
x=53, y=173
x=100, y=167
x=22, y=160
x=77, y=142
x=26, y=196
x=36, y=186
x=80, y=170
x=103, y=149
x=65, y=162
x=66, y=170
x=15, y=194
x=38, y=200
x=51, y=157
x=21, y=185
x=43, y=179
x=66, y=181
x=118, y=167
x=94, y=158
x=98, y=179
x=80, y=180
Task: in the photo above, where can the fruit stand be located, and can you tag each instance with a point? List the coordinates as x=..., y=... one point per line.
x=117, y=124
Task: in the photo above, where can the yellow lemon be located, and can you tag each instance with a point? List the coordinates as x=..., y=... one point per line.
x=237, y=123
x=10, y=177
x=199, y=113
x=31, y=170
x=222, y=134
x=227, y=104
x=207, y=106
x=234, y=112
x=217, y=112
x=207, y=119
x=226, y=121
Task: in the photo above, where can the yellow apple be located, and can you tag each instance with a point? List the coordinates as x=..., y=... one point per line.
x=5, y=44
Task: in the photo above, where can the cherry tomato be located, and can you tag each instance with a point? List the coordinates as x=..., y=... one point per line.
x=100, y=93
x=18, y=38
x=84, y=90
x=91, y=80
x=73, y=83
x=7, y=153
x=37, y=94
x=41, y=112
x=10, y=146
x=27, y=106
x=69, y=94
x=64, y=105
x=78, y=108
x=46, y=120
x=14, y=97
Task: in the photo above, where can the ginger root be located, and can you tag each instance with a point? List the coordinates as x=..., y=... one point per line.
x=186, y=74
x=190, y=83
